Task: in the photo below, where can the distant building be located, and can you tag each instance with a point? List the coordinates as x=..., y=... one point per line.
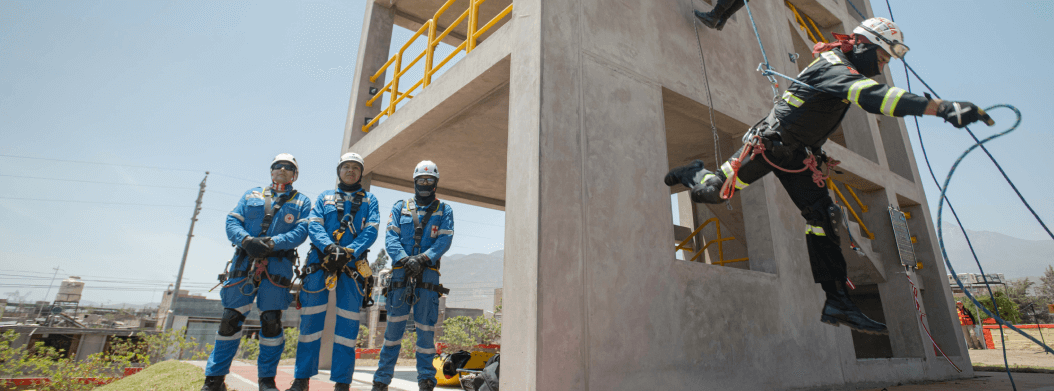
x=975, y=283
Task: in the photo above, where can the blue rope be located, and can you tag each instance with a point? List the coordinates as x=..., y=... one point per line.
x=940, y=231
x=857, y=9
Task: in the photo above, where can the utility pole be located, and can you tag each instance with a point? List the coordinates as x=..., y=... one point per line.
x=186, y=248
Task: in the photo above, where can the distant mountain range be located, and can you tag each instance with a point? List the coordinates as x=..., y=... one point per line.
x=472, y=278
x=999, y=253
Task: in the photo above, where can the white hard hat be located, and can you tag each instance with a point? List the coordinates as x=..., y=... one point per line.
x=884, y=33
x=351, y=157
x=285, y=157
x=426, y=167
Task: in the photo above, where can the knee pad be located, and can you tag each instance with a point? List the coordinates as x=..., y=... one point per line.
x=231, y=323
x=271, y=323
x=709, y=190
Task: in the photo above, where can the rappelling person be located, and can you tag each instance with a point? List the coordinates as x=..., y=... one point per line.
x=343, y=225
x=266, y=226
x=420, y=230
x=794, y=132
x=717, y=16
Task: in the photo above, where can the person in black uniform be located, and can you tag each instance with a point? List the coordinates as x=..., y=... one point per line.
x=796, y=129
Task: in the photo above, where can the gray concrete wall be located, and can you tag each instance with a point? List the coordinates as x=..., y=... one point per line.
x=595, y=299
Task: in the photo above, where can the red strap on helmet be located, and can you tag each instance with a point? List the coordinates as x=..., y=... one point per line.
x=844, y=43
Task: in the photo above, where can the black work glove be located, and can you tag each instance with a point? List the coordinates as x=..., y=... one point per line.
x=960, y=114
x=414, y=265
x=335, y=257
x=258, y=247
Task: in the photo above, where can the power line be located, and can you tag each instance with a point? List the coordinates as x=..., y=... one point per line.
x=121, y=165
x=102, y=183
x=102, y=203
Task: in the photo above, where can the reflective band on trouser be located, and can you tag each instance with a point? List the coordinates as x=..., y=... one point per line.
x=305, y=338
x=424, y=327
x=312, y=309
x=272, y=341
x=889, y=103
x=348, y=342
x=426, y=350
x=392, y=343
x=792, y=100
x=815, y=230
x=343, y=313
x=396, y=319
x=222, y=355
x=727, y=170
x=854, y=90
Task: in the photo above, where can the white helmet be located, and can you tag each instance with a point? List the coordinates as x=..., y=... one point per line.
x=285, y=157
x=884, y=33
x=426, y=167
x=351, y=157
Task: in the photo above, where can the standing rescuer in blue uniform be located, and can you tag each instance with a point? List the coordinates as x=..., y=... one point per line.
x=794, y=132
x=266, y=227
x=343, y=226
x=420, y=230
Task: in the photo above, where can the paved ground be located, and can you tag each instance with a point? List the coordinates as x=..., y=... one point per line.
x=986, y=381
x=1022, y=357
x=243, y=377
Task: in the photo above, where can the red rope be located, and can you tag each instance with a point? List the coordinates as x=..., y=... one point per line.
x=754, y=148
x=918, y=309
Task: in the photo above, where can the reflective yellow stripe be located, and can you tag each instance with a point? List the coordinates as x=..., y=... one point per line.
x=854, y=90
x=888, y=105
x=831, y=58
x=815, y=230
x=727, y=169
x=815, y=61
x=792, y=100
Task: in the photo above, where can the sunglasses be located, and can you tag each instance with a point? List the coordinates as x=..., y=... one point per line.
x=283, y=166
x=425, y=181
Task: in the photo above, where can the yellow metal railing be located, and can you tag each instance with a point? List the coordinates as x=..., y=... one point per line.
x=720, y=244
x=814, y=32
x=429, y=27
x=830, y=184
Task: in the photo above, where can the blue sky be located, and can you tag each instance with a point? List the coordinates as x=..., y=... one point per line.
x=224, y=86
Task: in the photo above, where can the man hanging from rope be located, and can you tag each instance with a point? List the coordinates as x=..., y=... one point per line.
x=790, y=138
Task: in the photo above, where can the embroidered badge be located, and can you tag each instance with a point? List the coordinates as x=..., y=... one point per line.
x=289, y=218
x=435, y=232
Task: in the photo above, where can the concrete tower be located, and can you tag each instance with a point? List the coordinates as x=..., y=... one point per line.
x=566, y=114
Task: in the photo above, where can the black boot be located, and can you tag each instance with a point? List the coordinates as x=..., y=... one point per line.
x=708, y=192
x=299, y=385
x=685, y=175
x=378, y=386
x=732, y=8
x=267, y=384
x=426, y=384
x=708, y=18
x=214, y=383
x=839, y=309
x=341, y=387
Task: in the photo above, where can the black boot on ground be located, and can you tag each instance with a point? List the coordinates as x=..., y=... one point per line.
x=426, y=385
x=342, y=387
x=214, y=383
x=839, y=310
x=378, y=386
x=299, y=385
x=684, y=174
x=708, y=18
x=267, y=384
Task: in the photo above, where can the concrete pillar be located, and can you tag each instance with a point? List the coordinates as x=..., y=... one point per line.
x=374, y=46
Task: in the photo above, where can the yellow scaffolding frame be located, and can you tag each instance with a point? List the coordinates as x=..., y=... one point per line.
x=813, y=32
x=830, y=184
x=392, y=88
x=720, y=244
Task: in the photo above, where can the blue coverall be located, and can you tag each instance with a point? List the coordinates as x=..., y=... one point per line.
x=399, y=242
x=288, y=230
x=325, y=219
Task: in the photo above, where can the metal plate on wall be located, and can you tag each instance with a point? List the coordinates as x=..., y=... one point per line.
x=903, y=236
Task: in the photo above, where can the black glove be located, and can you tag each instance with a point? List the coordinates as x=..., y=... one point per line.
x=961, y=114
x=258, y=247
x=335, y=257
x=413, y=265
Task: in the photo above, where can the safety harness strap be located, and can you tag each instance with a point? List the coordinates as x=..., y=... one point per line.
x=269, y=211
x=282, y=281
x=345, y=218
x=420, y=224
x=438, y=288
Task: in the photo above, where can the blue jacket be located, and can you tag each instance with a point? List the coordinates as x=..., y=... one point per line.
x=437, y=237
x=288, y=228
x=325, y=220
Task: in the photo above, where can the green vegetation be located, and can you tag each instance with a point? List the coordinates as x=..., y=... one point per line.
x=464, y=333
x=165, y=376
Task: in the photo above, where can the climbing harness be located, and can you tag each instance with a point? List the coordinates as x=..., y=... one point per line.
x=412, y=283
x=344, y=226
x=756, y=147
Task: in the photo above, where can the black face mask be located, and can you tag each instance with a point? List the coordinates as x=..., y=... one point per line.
x=425, y=194
x=865, y=58
x=349, y=188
